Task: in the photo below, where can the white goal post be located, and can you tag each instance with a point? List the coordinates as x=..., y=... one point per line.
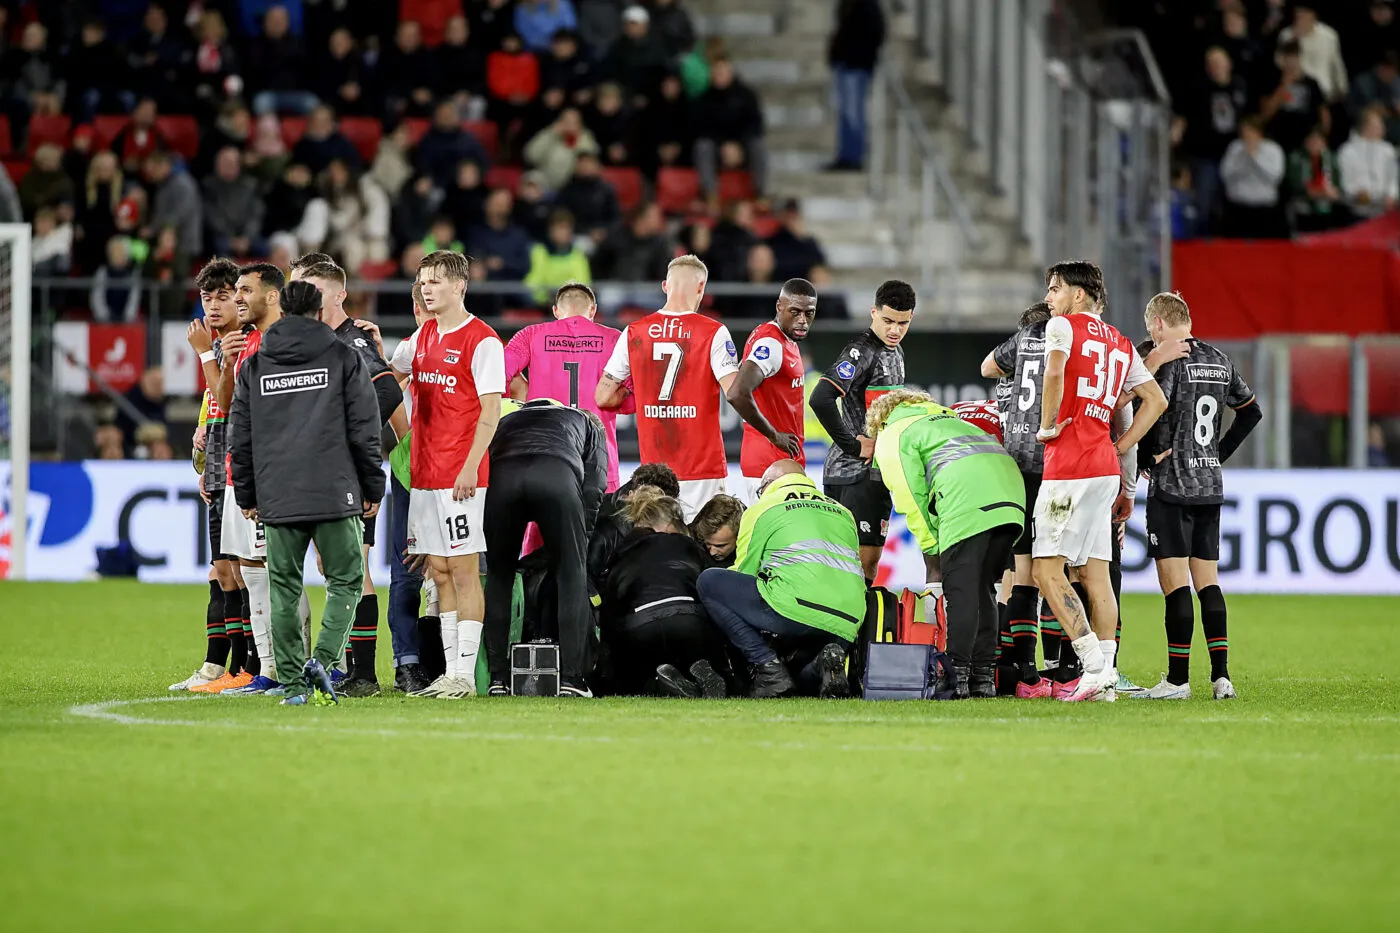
x=16, y=349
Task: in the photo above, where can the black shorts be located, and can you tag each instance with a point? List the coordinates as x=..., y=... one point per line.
x=216, y=525
x=869, y=501
x=1022, y=547
x=1175, y=530
x=369, y=529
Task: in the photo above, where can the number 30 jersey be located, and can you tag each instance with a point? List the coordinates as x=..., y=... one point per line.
x=1023, y=356
x=1197, y=388
x=676, y=360
x=563, y=360
x=1102, y=365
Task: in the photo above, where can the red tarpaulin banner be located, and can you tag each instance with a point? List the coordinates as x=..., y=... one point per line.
x=1242, y=289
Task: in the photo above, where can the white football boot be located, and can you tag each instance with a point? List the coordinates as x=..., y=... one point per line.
x=208, y=673
x=1222, y=689
x=1167, y=690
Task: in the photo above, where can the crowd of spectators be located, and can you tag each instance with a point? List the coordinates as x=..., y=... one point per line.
x=1287, y=113
x=582, y=139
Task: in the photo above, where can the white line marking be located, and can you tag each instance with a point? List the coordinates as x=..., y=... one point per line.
x=108, y=712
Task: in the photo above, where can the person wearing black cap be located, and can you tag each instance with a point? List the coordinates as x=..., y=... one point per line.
x=549, y=465
x=307, y=464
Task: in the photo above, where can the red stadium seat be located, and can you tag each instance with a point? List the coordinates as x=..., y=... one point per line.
x=293, y=128
x=105, y=129
x=181, y=134
x=47, y=129
x=16, y=169
x=7, y=144
x=486, y=134
x=735, y=186
x=677, y=189
x=627, y=182
x=417, y=126
x=364, y=134
x=504, y=176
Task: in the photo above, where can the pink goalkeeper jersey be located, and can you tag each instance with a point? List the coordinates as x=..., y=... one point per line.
x=563, y=360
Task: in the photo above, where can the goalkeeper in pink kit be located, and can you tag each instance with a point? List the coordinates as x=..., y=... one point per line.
x=563, y=360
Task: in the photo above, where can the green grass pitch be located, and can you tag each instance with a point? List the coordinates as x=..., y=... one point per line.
x=1276, y=811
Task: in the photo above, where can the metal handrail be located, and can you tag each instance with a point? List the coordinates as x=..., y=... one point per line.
x=929, y=151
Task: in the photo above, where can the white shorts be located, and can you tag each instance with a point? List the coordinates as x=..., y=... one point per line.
x=751, y=484
x=1073, y=519
x=241, y=536
x=440, y=526
x=696, y=492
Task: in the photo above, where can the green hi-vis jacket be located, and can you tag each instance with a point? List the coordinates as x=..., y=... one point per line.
x=804, y=551
x=950, y=480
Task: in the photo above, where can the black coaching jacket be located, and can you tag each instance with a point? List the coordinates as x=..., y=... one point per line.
x=305, y=435
x=545, y=428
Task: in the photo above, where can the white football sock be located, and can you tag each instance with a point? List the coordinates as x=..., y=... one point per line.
x=1090, y=653
x=447, y=622
x=1110, y=653
x=468, y=646
x=260, y=618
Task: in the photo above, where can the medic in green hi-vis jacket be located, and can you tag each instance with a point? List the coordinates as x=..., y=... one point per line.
x=964, y=500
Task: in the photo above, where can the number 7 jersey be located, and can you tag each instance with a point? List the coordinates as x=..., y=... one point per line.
x=676, y=361
x=1102, y=365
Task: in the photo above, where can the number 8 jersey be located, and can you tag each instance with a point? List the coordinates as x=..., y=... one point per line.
x=1197, y=389
x=1102, y=365
x=676, y=360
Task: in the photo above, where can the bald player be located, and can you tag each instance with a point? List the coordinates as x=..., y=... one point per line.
x=770, y=392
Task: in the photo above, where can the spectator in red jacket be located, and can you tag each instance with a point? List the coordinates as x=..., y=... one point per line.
x=512, y=81
x=140, y=137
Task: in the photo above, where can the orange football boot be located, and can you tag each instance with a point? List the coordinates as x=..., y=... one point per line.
x=226, y=682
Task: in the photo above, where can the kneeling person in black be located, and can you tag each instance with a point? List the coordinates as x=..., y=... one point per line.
x=549, y=466
x=652, y=621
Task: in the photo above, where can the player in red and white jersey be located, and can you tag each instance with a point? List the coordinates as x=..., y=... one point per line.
x=770, y=393
x=984, y=414
x=679, y=362
x=457, y=365
x=1089, y=367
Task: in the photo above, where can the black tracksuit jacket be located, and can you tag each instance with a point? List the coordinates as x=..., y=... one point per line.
x=305, y=436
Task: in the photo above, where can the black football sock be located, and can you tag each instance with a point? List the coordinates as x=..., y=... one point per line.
x=251, y=663
x=1005, y=645
x=233, y=627
x=1213, y=627
x=216, y=647
x=430, y=647
x=1181, y=619
x=364, y=634
x=1024, y=631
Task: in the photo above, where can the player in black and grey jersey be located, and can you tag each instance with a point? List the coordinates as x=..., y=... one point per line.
x=227, y=613
x=1020, y=361
x=871, y=365
x=1184, y=453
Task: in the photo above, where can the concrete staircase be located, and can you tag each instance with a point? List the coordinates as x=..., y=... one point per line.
x=779, y=48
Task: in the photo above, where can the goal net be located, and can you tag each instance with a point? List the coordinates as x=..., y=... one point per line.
x=15, y=383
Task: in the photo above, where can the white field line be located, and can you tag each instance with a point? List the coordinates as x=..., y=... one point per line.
x=110, y=711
